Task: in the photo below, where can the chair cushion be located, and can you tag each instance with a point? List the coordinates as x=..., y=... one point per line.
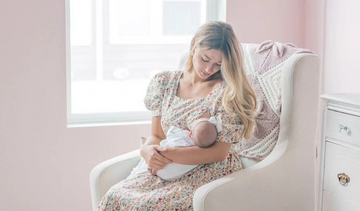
x=264, y=65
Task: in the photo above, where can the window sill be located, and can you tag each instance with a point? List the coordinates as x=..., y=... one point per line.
x=106, y=124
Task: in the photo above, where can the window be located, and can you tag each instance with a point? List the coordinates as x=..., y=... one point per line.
x=114, y=47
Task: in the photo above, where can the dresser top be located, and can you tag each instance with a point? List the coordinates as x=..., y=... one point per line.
x=349, y=98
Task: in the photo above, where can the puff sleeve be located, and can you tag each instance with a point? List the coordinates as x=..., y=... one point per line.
x=155, y=93
x=231, y=126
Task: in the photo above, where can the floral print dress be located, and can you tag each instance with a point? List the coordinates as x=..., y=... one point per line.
x=147, y=192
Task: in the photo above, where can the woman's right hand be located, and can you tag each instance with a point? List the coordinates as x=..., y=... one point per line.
x=153, y=159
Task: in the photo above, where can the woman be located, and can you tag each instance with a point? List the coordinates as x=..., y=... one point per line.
x=214, y=83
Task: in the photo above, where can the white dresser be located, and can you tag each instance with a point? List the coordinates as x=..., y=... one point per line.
x=340, y=153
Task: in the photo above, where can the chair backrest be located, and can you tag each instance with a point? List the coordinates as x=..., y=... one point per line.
x=264, y=64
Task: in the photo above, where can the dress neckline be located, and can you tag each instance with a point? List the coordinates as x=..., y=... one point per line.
x=189, y=99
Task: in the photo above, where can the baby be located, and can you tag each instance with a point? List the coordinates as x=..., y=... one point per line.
x=203, y=133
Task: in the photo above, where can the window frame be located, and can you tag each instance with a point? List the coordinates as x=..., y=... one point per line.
x=216, y=10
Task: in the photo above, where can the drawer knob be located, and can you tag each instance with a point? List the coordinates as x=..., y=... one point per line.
x=343, y=128
x=343, y=179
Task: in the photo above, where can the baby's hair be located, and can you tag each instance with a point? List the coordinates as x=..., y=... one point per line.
x=204, y=134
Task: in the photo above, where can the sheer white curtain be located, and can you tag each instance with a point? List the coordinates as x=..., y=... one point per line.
x=116, y=46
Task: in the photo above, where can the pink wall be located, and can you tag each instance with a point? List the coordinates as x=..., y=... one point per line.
x=43, y=164
x=314, y=26
x=313, y=38
x=331, y=30
x=255, y=21
x=46, y=166
x=342, y=46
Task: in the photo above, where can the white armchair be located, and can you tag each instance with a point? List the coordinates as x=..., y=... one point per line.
x=283, y=181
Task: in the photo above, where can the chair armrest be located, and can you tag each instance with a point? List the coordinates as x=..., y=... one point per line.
x=250, y=189
x=110, y=172
x=270, y=184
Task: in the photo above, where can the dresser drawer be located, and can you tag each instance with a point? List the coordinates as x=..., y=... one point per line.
x=338, y=160
x=343, y=127
x=335, y=203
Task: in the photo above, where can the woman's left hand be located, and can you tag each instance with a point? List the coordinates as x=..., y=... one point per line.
x=156, y=161
x=159, y=149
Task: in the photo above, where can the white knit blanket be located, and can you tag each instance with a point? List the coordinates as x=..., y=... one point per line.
x=264, y=64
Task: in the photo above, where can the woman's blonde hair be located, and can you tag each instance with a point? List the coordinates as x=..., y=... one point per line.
x=239, y=98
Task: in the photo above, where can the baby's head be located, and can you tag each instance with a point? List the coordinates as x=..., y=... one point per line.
x=203, y=133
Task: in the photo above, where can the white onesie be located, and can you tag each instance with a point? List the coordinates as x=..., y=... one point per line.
x=175, y=137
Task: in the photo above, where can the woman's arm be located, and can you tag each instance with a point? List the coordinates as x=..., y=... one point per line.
x=195, y=155
x=148, y=151
x=157, y=134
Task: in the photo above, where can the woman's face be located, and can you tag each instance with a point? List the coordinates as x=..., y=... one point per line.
x=206, y=62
